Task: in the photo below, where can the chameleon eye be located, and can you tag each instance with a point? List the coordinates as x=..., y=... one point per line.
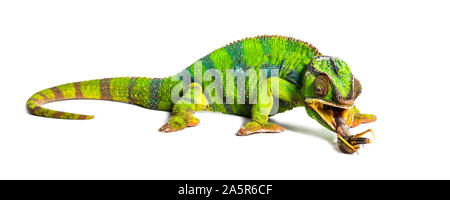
x=358, y=88
x=321, y=86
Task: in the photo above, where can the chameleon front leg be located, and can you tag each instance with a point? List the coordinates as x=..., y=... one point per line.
x=283, y=90
x=182, y=111
x=259, y=124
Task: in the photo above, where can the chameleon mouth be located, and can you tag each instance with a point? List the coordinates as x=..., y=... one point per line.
x=331, y=112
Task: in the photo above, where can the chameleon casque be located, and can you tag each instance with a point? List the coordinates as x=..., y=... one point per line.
x=304, y=77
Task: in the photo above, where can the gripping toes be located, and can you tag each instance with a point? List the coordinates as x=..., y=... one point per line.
x=255, y=127
x=177, y=123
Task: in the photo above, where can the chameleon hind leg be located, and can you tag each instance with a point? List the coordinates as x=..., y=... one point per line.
x=182, y=111
x=283, y=90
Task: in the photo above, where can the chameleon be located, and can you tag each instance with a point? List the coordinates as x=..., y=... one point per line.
x=289, y=73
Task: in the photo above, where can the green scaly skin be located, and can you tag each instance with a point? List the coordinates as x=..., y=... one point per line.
x=299, y=65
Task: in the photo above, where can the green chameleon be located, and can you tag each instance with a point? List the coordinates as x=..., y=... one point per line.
x=273, y=74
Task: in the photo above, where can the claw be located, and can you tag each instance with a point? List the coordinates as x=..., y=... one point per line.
x=167, y=128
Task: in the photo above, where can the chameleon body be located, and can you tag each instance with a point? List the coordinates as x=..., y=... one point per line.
x=293, y=72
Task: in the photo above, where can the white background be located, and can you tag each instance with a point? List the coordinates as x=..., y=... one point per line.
x=397, y=49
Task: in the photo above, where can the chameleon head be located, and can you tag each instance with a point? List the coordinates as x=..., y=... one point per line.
x=330, y=90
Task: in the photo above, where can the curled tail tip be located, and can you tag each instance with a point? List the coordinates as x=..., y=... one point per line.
x=86, y=117
x=35, y=102
x=72, y=116
x=43, y=112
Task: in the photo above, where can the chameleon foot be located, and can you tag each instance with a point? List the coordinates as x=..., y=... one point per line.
x=255, y=127
x=350, y=144
x=193, y=121
x=177, y=123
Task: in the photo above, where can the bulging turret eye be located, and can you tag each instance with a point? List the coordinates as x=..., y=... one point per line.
x=321, y=86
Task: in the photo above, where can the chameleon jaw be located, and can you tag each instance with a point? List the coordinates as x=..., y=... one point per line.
x=329, y=112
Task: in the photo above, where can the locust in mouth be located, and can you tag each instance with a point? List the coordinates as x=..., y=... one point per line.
x=339, y=118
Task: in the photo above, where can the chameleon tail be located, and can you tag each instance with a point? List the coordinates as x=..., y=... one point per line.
x=140, y=91
x=58, y=93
